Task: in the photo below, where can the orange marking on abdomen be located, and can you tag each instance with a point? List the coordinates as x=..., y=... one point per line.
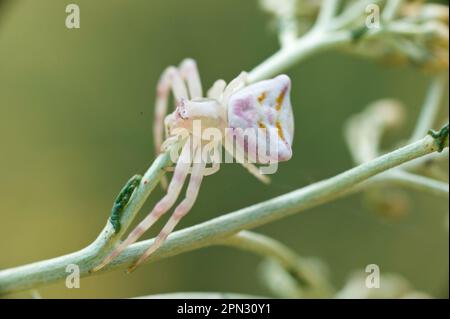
x=280, y=131
x=262, y=97
x=280, y=99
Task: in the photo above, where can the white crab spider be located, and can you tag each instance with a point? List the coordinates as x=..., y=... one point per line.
x=265, y=104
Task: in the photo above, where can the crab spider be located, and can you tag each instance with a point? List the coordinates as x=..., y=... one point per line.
x=265, y=104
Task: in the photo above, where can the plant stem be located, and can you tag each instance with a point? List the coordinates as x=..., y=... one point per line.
x=305, y=46
x=363, y=131
x=327, y=12
x=413, y=181
x=264, y=246
x=363, y=136
x=352, y=13
x=430, y=108
x=213, y=231
x=425, y=160
x=391, y=8
x=108, y=238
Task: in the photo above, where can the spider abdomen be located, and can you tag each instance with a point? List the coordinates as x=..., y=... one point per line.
x=264, y=107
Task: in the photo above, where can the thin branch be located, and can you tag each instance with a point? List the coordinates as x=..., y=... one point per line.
x=215, y=230
x=413, y=181
x=264, y=246
x=109, y=237
x=353, y=13
x=289, y=29
x=289, y=33
x=317, y=40
x=391, y=9
x=363, y=134
x=302, y=48
x=327, y=12
x=419, y=163
x=430, y=108
x=363, y=131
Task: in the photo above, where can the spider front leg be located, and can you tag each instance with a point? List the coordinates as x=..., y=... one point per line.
x=216, y=90
x=170, y=79
x=176, y=80
x=173, y=191
x=181, y=210
x=235, y=85
x=189, y=72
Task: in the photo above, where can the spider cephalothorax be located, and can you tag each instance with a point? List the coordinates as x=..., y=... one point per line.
x=232, y=110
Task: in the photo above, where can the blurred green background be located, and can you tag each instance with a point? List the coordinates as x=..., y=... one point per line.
x=76, y=110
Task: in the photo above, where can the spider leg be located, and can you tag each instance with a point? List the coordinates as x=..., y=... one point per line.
x=214, y=159
x=180, y=211
x=214, y=168
x=216, y=89
x=238, y=153
x=211, y=170
x=189, y=72
x=170, y=80
x=176, y=184
x=254, y=170
x=221, y=91
x=235, y=85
